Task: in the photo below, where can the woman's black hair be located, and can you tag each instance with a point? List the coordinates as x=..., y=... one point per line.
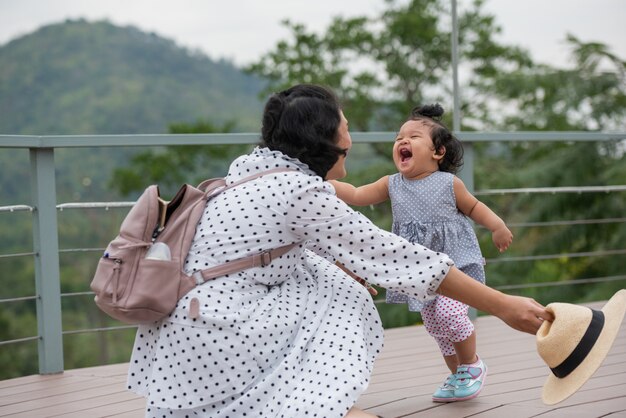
x=303, y=122
x=452, y=160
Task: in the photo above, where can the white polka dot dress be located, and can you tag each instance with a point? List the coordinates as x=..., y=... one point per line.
x=295, y=338
x=425, y=212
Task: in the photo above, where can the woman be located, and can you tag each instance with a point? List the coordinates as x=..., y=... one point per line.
x=298, y=336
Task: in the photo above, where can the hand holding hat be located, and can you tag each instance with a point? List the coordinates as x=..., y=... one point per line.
x=575, y=344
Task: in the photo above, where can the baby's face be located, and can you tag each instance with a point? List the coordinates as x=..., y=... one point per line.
x=413, y=151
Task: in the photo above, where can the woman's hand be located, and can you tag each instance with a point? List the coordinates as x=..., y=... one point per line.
x=523, y=314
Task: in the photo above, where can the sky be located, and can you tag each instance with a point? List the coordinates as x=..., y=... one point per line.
x=243, y=30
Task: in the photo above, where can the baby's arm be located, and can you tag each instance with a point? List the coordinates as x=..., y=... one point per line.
x=369, y=194
x=482, y=215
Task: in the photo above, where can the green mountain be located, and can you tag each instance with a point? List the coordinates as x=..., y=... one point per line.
x=81, y=77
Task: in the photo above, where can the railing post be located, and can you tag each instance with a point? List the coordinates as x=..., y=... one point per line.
x=467, y=176
x=46, y=248
x=467, y=172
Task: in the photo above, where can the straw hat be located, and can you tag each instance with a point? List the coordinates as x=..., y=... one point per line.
x=575, y=344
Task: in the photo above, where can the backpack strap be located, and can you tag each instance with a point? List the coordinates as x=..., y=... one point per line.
x=257, y=260
x=212, y=188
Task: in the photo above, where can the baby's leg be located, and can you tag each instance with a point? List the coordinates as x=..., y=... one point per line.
x=450, y=325
x=447, y=321
x=433, y=324
x=466, y=350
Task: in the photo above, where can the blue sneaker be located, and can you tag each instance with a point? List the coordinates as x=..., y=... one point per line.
x=470, y=380
x=445, y=392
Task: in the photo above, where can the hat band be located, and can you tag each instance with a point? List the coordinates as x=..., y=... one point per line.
x=583, y=347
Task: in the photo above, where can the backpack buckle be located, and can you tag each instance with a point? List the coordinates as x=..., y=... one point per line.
x=197, y=276
x=266, y=258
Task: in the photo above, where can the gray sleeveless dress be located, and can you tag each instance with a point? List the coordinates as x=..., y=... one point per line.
x=424, y=212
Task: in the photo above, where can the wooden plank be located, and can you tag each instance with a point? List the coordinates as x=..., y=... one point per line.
x=406, y=373
x=66, y=401
x=27, y=380
x=134, y=408
x=615, y=407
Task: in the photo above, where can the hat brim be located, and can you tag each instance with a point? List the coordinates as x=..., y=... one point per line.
x=556, y=389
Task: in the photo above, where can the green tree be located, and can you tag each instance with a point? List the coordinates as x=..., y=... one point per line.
x=383, y=66
x=590, y=95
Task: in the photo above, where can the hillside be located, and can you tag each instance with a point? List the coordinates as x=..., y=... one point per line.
x=81, y=77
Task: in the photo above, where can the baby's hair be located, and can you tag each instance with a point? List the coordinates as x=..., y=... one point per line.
x=452, y=160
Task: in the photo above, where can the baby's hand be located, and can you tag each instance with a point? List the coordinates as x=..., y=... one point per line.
x=502, y=238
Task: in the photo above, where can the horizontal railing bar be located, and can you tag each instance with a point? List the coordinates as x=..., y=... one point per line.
x=528, y=136
x=80, y=331
x=95, y=205
x=82, y=205
x=136, y=140
x=562, y=283
x=553, y=256
x=487, y=192
x=83, y=331
x=19, y=340
x=504, y=287
x=16, y=208
x=77, y=294
x=490, y=260
x=549, y=284
x=16, y=255
x=22, y=298
x=553, y=190
x=568, y=223
x=77, y=250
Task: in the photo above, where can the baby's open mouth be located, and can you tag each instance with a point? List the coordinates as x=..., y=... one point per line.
x=405, y=154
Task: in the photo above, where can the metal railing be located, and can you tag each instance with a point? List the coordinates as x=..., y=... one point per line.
x=44, y=208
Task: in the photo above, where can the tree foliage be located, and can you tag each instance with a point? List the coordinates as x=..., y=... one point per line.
x=401, y=58
x=383, y=65
x=80, y=77
x=591, y=95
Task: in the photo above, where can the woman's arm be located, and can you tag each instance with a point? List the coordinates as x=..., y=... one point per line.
x=482, y=215
x=369, y=194
x=520, y=313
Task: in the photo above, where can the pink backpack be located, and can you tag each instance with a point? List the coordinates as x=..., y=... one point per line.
x=140, y=278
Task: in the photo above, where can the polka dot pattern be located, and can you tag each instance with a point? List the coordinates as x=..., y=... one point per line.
x=295, y=338
x=424, y=212
x=447, y=322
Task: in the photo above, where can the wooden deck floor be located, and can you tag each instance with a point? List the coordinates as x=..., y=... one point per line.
x=405, y=375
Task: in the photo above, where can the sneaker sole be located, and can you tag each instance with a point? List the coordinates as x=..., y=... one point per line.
x=444, y=400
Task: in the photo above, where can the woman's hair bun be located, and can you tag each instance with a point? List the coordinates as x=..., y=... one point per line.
x=433, y=111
